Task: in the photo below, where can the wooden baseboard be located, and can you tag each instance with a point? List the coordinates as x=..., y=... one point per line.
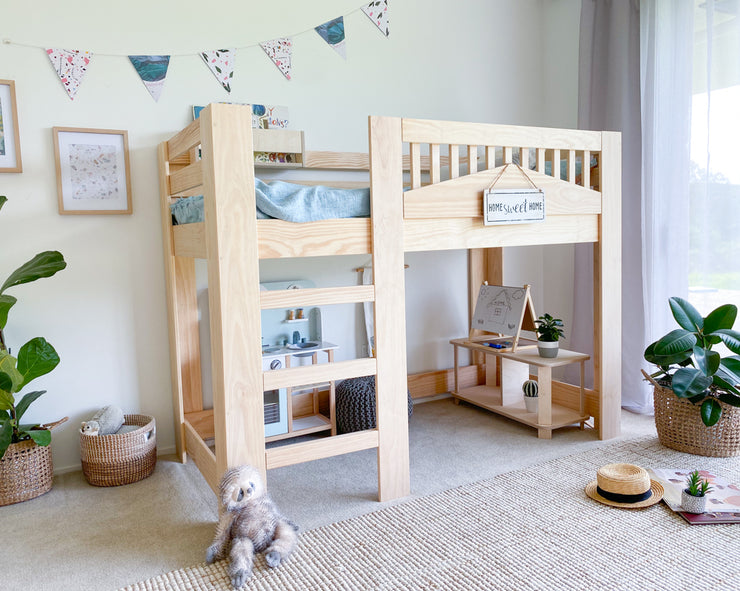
x=432, y=383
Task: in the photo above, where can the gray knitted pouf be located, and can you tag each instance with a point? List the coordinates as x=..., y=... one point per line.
x=355, y=404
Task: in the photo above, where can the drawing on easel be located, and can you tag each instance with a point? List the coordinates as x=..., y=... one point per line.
x=504, y=310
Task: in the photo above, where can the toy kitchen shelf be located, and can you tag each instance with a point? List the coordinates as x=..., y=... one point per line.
x=502, y=392
x=310, y=420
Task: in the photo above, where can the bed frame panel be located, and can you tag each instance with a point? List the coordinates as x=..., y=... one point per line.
x=448, y=165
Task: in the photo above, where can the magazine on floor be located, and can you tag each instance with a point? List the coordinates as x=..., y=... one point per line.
x=723, y=501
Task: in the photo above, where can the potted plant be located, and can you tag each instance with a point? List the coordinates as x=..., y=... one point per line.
x=531, y=393
x=549, y=331
x=696, y=390
x=25, y=459
x=693, y=497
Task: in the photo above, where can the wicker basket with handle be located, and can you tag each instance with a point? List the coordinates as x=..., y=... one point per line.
x=26, y=470
x=680, y=427
x=121, y=458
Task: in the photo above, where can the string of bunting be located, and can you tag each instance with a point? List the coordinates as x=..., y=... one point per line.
x=71, y=64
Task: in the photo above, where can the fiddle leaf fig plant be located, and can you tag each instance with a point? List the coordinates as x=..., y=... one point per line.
x=689, y=366
x=35, y=358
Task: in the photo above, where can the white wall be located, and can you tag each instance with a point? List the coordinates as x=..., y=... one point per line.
x=487, y=61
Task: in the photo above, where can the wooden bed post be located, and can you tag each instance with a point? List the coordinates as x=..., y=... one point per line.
x=484, y=264
x=608, y=289
x=386, y=192
x=187, y=395
x=233, y=286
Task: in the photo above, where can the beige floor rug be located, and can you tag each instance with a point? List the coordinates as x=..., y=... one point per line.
x=529, y=529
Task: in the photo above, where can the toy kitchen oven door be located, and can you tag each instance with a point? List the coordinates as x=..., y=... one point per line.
x=276, y=403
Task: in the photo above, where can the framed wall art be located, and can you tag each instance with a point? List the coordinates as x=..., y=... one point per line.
x=10, y=145
x=93, y=174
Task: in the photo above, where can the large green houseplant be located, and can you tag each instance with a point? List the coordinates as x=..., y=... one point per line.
x=34, y=359
x=690, y=369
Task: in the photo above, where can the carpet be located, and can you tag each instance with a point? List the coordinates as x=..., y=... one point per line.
x=529, y=529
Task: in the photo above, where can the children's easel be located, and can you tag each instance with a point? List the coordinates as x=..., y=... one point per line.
x=504, y=311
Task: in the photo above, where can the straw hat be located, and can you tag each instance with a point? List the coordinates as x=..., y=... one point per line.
x=624, y=485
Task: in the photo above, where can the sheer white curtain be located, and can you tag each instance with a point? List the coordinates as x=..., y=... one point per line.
x=666, y=62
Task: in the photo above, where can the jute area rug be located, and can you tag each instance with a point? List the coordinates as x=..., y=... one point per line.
x=529, y=529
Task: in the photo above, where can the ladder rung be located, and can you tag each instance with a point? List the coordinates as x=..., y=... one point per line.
x=318, y=374
x=319, y=296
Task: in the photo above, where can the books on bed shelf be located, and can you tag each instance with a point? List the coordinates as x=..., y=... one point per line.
x=723, y=502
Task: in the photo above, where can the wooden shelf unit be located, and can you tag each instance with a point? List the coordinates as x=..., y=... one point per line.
x=502, y=391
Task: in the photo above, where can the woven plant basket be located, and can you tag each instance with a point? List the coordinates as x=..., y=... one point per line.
x=26, y=472
x=113, y=460
x=680, y=427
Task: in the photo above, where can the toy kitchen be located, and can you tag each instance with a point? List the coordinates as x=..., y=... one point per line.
x=291, y=338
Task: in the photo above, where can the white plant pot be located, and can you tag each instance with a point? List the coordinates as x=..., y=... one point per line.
x=548, y=348
x=532, y=403
x=692, y=504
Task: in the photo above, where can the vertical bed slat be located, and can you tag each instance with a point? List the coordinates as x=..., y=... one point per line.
x=572, y=166
x=233, y=284
x=434, y=174
x=415, y=152
x=490, y=157
x=454, y=161
x=472, y=159
x=386, y=190
x=556, y=164
x=586, y=169
x=508, y=155
x=541, y=160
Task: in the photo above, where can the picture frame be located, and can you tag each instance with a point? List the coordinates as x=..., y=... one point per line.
x=93, y=171
x=10, y=144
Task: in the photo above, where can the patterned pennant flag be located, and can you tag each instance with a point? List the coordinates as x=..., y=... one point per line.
x=71, y=66
x=280, y=51
x=221, y=63
x=378, y=13
x=333, y=33
x=152, y=70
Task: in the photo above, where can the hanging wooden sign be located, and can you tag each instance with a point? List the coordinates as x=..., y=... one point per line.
x=513, y=206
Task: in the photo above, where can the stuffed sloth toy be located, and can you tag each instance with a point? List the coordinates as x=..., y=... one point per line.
x=106, y=421
x=250, y=523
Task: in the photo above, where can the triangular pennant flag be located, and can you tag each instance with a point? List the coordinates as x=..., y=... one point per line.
x=280, y=51
x=333, y=33
x=152, y=70
x=378, y=13
x=221, y=63
x=71, y=66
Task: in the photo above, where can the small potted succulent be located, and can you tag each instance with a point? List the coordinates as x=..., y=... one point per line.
x=549, y=331
x=693, y=497
x=531, y=393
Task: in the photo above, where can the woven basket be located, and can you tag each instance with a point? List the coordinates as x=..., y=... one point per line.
x=680, y=426
x=25, y=472
x=113, y=460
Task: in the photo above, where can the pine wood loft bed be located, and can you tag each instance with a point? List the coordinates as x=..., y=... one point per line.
x=441, y=209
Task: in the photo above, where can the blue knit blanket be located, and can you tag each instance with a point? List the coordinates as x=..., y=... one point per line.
x=290, y=202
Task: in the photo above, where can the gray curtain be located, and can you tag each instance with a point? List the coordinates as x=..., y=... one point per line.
x=609, y=99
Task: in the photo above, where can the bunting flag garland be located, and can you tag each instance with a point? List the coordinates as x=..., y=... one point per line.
x=280, y=51
x=221, y=63
x=152, y=70
x=333, y=33
x=71, y=66
x=377, y=12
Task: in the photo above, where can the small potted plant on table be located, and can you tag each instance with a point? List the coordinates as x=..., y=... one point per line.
x=530, y=388
x=693, y=497
x=549, y=331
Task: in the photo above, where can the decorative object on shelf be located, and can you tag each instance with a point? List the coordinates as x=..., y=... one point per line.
x=693, y=497
x=696, y=397
x=624, y=485
x=504, y=311
x=25, y=466
x=93, y=174
x=531, y=393
x=355, y=400
x=10, y=144
x=549, y=330
x=121, y=458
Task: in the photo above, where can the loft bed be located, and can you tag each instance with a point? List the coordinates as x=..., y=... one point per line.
x=448, y=166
